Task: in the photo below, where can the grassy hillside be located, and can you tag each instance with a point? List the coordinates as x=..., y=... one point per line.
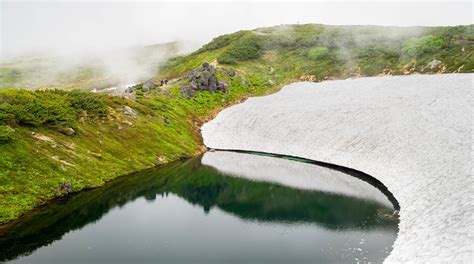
x=40, y=156
x=318, y=52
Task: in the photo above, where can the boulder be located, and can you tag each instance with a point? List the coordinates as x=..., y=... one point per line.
x=203, y=79
x=148, y=85
x=66, y=187
x=68, y=131
x=129, y=112
x=434, y=63
x=128, y=123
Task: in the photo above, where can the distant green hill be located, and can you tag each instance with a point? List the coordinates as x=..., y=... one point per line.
x=322, y=52
x=119, y=67
x=49, y=138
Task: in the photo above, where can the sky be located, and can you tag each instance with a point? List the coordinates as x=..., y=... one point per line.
x=67, y=27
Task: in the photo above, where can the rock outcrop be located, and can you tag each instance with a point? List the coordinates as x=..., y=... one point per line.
x=203, y=79
x=148, y=85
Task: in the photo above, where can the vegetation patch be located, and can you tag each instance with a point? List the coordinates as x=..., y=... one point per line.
x=318, y=53
x=246, y=48
x=416, y=47
x=54, y=108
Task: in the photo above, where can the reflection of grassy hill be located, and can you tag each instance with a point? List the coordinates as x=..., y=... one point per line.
x=86, y=72
x=199, y=185
x=166, y=126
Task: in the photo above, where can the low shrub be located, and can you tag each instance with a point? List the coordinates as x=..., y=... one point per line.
x=221, y=41
x=93, y=104
x=6, y=134
x=417, y=47
x=318, y=53
x=41, y=108
x=246, y=48
x=54, y=108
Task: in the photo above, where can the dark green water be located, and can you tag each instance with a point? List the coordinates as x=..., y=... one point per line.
x=188, y=212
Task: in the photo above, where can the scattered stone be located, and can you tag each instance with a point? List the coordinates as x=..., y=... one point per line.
x=66, y=187
x=148, y=85
x=128, y=123
x=130, y=112
x=41, y=137
x=434, y=63
x=229, y=72
x=95, y=154
x=119, y=127
x=68, y=131
x=56, y=158
x=161, y=159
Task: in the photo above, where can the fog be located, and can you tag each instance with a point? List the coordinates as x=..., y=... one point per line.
x=75, y=30
x=80, y=27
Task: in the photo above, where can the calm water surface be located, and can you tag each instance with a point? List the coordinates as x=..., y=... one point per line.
x=217, y=208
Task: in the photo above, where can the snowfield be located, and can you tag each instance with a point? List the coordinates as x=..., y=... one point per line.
x=413, y=133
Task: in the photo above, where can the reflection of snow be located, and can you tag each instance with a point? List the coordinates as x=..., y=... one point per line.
x=293, y=174
x=413, y=133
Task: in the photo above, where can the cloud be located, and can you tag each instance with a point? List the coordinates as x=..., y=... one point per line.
x=71, y=27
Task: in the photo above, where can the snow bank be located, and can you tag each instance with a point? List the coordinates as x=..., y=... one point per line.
x=413, y=133
x=294, y=174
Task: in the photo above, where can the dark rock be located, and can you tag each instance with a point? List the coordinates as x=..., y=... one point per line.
x=148, y=85
x=66, y=187
x=68, y=131
x=188, y=92
x=229, y=72
x=202, y=79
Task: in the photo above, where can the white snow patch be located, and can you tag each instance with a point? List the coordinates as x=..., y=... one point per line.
x=413, y=133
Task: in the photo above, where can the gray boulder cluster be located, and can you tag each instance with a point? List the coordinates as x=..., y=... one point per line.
x=203, y=79
x=148, y=85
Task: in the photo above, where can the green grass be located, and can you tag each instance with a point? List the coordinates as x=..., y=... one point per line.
x=34, y=166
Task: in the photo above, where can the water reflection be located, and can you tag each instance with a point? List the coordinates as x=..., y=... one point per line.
x=230, y=207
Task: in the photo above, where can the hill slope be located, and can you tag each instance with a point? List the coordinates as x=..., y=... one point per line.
x=87, y=71
x=55, y=142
